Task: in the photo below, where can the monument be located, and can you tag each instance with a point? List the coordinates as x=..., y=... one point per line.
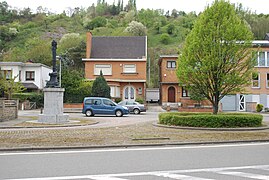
x=53, y=96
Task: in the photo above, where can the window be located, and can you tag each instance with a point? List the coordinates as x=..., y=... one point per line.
x=97, y=102
x=255, y=80
x=89, y=102
x=129, y=68
x=7, y=74
x=171, y=64
x=30, y=75
x=108, y=102
x=263, y=59
x=105, y=68
x=267, y=80
x=114, y=91
x=184, y=92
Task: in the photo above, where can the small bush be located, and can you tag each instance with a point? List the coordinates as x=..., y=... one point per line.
x=225, y=120
x=259, y=107
x=140, y=100
x=117, y=100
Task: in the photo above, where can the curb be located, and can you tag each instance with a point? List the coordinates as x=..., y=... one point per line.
x=212, y=129
x=130, y=145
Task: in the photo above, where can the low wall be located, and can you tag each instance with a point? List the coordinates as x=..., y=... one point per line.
x=195, y=109
x=8, y=110
x=73, y=105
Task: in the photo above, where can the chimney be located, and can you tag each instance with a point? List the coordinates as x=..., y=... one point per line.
x=88, y=45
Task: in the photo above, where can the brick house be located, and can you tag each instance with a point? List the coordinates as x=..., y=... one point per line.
x=258, y=91
x=122, y=61
x=170, y=91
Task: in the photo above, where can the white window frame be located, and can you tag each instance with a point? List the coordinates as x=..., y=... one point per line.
x=115, y=91
x=172, y=64
x=266, y=59
x=105, y=68
x=129, y=68
x=259, y=80
x=267, y=80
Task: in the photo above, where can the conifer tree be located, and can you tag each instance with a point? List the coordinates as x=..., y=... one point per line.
x=100, y=87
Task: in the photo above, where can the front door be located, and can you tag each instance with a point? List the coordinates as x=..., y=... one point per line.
x=242, y=103
x=171, y=94
x=129, y=93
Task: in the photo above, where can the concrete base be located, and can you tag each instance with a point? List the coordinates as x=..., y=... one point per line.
x=53, y=107
x=53, y=119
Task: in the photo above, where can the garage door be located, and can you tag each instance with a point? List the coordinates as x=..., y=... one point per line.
x=229, y=103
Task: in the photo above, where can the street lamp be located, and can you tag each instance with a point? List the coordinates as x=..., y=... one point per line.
x=60, y=70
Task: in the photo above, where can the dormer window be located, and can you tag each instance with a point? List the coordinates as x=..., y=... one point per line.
x=171, y=64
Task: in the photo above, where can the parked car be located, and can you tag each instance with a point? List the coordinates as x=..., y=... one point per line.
x=99, y=105
x=133, y=106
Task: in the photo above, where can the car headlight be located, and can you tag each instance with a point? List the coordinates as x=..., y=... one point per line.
x=124, y=107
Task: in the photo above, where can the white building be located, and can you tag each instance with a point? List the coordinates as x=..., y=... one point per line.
x=33, y=76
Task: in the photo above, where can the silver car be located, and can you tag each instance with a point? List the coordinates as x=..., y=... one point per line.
x=133, y=106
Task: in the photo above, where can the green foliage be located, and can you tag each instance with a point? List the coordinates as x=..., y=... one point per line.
x=225, y=120
x=194, y=95
x=9, y=87
x=117, y=100
x=68, y=41
x=136, y=28
x=165, y=38
x=95, y=23
x=38, y=98
x=213, y=63
x=140, y=100
x=27, y=35
x=100, y=87
x=259, y=107
x=76, y=88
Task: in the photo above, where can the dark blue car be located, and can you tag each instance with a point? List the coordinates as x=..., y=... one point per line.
x=99, y=105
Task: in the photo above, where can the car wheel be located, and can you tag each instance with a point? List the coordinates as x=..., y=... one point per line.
x=119, y=113
x=89, y=113
x=136, y=111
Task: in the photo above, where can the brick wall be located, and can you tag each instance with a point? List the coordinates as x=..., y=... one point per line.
x=8, y=110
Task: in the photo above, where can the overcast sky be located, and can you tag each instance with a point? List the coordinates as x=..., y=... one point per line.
x=57, y=6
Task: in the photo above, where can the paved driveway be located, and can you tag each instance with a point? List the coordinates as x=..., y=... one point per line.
x=106, y=120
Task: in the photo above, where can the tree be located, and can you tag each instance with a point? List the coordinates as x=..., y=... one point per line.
x=9, y=86
x=100, y=87
x=136, y=28
x=216, y=59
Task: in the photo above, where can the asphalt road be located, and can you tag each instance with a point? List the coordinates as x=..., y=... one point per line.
x=232, y=161
x=103, y=120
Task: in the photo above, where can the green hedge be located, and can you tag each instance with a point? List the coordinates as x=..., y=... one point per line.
x=222, y=120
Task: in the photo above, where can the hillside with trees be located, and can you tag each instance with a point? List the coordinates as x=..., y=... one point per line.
x=26, y=35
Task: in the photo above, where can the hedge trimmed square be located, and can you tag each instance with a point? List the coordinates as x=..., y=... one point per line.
x=222, y=120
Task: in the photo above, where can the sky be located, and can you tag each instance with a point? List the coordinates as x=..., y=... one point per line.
x=57, y=6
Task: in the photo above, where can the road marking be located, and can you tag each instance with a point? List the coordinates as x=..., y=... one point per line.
x=246, y=175
x=134, y=149
x=179, y=176
x=174, y=174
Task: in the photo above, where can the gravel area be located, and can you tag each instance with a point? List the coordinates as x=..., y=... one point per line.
x=142, y=133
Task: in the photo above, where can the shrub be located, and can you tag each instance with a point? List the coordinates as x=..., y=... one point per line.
x=225, y=120
x=259, y=107
x=117, y=100
x=140, y=100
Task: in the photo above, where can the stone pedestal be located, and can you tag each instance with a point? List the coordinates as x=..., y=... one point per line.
x=53, y=107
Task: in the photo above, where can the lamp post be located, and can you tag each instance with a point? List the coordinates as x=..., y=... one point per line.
x=60, y=70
